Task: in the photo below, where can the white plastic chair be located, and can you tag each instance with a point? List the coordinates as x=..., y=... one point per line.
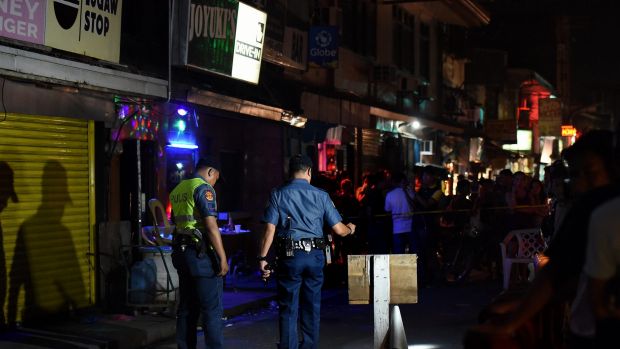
x=161, y=231
x=529, y=243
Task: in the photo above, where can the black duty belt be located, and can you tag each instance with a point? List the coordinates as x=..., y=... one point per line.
x=306, y=244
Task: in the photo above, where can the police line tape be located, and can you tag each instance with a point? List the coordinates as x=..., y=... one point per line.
x=420, y=213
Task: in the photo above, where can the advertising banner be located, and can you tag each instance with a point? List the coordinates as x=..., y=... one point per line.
x=221, y=36
x=87, y=27
x=23, y=20
x=211, y=34
x=295, y=42
x=323, y=46
x=251, y=25
x=549, y=117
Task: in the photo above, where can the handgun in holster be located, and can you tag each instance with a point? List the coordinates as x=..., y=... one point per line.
x=285, y=245
x=196, y=239
x=203, y=248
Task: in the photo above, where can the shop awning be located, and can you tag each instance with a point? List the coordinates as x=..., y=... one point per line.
x=38, y=67
x=466, y=13
x=57, y=101
x=233, y=104
x=424, y=122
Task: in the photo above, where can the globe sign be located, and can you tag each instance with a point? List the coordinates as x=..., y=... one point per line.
x=323, y=38
x=66, y=12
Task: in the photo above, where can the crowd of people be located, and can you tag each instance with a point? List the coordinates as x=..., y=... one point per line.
x=574, y=206
x=411, y=214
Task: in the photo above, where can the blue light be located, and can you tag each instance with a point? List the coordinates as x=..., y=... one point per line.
x=179, y=166
x=182, y=111
x=183, y=146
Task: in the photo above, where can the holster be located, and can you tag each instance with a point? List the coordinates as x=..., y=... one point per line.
x=285, y=247
x=191, y=237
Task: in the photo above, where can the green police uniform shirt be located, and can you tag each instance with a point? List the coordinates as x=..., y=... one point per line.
x=204, y=199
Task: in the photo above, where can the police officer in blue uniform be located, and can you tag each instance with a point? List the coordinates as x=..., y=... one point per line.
x=198, y=256
x=295, y=216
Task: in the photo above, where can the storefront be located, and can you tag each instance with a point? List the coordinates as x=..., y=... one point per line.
x=50, y=111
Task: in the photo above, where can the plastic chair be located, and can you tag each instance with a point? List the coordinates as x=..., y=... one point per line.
x=161, y=232
x=529, y=243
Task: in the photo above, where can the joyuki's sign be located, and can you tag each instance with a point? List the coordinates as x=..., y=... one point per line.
x=88, y=27
x=221, y=36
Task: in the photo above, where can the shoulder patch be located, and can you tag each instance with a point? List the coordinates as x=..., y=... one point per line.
x=209, y=195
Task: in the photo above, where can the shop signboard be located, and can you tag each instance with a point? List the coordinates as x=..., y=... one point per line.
x=568, y=131
x=87, y=27
x=221, y=36
x=323, y=47
x=23, y=20
x=549, y=117
x=501, y=130
x=295, y=47
x=523, y=143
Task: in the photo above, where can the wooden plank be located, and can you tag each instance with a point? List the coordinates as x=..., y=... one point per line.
x=403, y=279
x=359, y=279
x=381, y=300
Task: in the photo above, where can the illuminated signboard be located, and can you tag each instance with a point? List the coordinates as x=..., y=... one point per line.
x=568, y=131
x=524, y=141
x=224, y=37
x=249, y=43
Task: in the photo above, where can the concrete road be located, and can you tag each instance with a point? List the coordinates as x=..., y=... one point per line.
x=439, y=320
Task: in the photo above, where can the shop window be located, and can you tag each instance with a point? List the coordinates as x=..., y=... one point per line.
x=426, y=147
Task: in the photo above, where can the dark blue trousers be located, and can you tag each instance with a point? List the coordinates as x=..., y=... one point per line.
x=300, y=279
x=200, y=293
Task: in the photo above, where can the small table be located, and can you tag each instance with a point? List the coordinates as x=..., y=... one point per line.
x=239, y=249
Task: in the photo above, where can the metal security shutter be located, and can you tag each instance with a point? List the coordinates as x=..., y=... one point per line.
x=371, y=149
x=46, y=226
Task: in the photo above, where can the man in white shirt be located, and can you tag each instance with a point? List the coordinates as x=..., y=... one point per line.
x=397, y=202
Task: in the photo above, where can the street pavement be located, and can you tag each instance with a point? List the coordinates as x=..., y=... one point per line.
x=439, y=320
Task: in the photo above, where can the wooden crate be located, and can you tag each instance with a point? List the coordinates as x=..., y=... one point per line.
x=403, y=281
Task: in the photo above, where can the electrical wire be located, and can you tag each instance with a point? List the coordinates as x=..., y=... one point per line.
x=170, y=32
x=3, y=105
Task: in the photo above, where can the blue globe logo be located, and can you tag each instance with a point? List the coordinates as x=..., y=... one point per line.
x=323, y=38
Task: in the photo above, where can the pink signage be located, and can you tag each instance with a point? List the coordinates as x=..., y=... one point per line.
x=23, y=20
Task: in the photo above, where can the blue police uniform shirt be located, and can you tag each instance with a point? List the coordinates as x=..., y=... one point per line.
x=205, y=199
x=309, y=207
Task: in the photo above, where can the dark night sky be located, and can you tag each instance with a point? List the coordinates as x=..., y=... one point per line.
x=526, y=30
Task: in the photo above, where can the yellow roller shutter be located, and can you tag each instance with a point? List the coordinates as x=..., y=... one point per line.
x=46, y=215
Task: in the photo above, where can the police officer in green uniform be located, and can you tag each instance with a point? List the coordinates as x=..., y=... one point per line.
x=295, y=216
x=198, y=256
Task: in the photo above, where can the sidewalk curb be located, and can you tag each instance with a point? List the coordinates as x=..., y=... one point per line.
x=108, y=332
